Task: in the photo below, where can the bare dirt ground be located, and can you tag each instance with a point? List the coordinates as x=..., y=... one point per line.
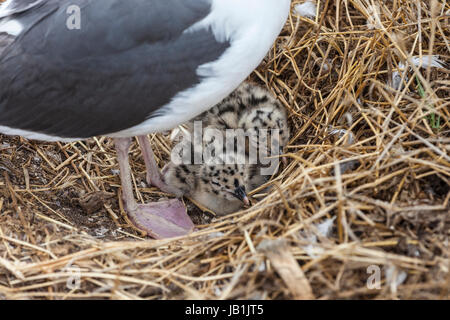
x=367, y=158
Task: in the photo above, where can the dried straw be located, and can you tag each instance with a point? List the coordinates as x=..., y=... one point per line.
x=63, y=234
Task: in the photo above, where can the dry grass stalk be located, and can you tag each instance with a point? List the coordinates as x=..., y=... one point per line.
x=287, y=267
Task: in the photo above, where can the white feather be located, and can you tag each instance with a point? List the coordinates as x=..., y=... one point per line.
x=395, y=277
x=324, y=229
x=343, y=132
x=428, y=61
x=11, y=27
x=307, y=9
x=373, y=20
x=424, y=62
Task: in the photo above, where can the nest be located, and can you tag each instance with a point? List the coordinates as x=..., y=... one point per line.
x=360, y=210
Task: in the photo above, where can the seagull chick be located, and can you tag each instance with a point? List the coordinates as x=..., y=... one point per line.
x=222, y=185
x=220, y=188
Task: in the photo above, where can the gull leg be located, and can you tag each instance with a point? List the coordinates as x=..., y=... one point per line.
x=162, y=219
x=153, y=174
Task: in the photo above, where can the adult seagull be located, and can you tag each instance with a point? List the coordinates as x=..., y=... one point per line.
x=74, y=69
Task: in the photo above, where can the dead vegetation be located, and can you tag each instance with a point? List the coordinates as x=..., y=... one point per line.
x=370, y=149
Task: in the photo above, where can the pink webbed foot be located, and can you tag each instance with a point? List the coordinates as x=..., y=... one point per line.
x=164, y=219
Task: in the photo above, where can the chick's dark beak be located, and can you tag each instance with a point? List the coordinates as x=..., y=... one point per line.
x=239, y=193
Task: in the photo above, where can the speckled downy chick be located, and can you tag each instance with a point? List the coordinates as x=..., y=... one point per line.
x=249, y=107
x=223, y=187
x=220, y=188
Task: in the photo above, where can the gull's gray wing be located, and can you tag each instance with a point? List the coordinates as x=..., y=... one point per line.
x=128, y=59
